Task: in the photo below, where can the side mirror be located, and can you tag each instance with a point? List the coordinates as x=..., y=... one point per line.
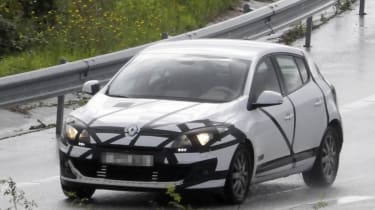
x=268, y=98
x=91, y=87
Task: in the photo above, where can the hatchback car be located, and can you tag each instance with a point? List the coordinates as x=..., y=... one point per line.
x=204, y=114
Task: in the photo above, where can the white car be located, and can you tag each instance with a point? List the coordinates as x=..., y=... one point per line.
x=204, y=114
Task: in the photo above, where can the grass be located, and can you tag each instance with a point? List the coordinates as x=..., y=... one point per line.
x=346, y=5
x=293, y=34
x=84, y=28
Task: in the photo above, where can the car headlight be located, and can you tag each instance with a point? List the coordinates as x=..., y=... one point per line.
x=204, y=138
x=198, y=138
x=182, y=141
x=84, y=136
x=76, y=133
x=71, y=132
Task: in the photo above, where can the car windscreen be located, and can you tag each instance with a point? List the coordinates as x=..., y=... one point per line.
x=181, y=77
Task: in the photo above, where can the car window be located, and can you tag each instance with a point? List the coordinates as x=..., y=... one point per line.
x=181, y=77
x=290, y=72
x=302, y=69
x=265, y=78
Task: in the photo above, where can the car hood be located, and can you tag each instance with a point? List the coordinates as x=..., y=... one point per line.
x=105, y=111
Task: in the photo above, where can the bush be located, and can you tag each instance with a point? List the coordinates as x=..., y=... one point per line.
x=8, y=34
x=17, y=33
x=75, y=29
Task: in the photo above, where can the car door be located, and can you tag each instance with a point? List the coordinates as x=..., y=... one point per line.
x=274, y=125
x=308, y=102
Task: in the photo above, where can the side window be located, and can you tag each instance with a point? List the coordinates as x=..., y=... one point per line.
x=289, y=71
x=264, y=79
x=302, y=69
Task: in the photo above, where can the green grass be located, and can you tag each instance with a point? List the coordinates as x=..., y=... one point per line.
x=85, y=28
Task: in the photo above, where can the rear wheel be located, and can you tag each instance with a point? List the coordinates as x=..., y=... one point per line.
x=326, y=165
x=78, y=192
x=238, y=180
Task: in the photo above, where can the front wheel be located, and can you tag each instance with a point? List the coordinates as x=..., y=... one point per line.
x=76, y=192
x=326, y=165
x=238, y=180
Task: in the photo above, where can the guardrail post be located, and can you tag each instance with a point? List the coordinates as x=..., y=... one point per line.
x=362, y=8
x=309, y=25
x=60, y=110
x=60, y=114
x=164, y=35
x=246, y=8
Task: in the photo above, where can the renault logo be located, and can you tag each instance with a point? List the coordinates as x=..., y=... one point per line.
x=132, y=130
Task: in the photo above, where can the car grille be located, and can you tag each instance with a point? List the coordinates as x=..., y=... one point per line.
x=132, y=173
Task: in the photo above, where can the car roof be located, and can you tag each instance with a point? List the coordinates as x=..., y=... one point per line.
x=244, y=49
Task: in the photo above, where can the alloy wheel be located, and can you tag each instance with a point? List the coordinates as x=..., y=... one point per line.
x=329, y=157
x=240, y=175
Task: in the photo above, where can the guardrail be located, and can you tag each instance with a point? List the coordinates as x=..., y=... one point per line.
x=65, y=78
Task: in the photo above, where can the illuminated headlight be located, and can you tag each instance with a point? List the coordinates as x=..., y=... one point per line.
x=198, y=138
x=185, y=141
x=84, y=136
x=204, y=138
x=78, y=136
x=71, y=132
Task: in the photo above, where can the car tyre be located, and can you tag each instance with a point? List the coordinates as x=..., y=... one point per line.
x=237, y=183
x=75, y=192
x=325, y=168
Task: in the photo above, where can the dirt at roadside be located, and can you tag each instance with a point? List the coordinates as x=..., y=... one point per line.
x=239, y=9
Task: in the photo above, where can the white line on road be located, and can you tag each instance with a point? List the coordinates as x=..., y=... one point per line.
x=359, y=104
x=39, y=181
x=352, y=199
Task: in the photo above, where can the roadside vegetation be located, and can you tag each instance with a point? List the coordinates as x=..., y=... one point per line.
x=16, y=197
x=39, y=33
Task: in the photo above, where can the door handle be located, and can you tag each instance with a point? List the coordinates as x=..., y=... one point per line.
x=288, y=116
x=318, y=102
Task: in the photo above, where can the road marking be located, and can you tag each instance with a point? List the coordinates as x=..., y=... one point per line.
x=352, y=199
x=359, y=104
x=39, y=181
x=331, y=202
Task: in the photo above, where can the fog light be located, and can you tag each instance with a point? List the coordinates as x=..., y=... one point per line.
x=181, y=150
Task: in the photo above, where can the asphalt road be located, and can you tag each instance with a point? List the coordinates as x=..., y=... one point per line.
x=345, y=50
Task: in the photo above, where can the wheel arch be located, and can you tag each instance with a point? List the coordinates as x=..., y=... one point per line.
x=249, y=145
x=336, y=124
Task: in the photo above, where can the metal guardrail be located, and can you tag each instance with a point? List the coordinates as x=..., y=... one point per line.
x=65, y=78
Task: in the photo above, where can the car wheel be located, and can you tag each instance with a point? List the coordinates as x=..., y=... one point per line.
x=238, y=179
x=326, y=165
x=75, y=192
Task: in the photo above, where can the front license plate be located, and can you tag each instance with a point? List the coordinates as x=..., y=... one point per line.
x=127, y=159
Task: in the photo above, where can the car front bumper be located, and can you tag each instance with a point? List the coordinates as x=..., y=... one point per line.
x=183, y=170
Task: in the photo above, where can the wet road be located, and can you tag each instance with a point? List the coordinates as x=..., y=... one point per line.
x=345, y=50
